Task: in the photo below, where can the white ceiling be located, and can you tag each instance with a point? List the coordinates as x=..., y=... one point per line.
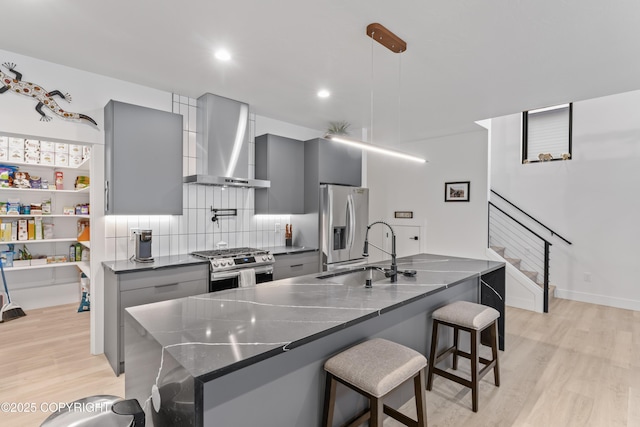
x=466, y=60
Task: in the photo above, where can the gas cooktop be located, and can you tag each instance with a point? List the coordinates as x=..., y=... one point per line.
x=236, y=258
x=231, y=252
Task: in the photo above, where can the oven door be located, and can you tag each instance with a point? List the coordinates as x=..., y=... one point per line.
x=230, y=279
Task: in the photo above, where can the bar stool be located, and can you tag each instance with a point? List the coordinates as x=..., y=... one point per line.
x=473, y=318
x=374, y=369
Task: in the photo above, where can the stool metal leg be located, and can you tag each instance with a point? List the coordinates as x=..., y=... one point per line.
x=420, y=396
x=432, y=354
x=456, y=331
x=376, y=412
x=329, y=400
x=494, y=353
x=475, y=362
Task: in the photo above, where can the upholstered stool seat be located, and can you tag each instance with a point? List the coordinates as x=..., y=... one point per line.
x=472, y=318
x=374, y=369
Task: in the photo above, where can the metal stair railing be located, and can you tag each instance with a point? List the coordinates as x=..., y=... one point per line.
x=506, y=231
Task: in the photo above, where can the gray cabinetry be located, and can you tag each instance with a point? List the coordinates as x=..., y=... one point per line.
x=128, y=289
x=281, y=161
x=143, y=160
x=296, y=264
x=329, y=162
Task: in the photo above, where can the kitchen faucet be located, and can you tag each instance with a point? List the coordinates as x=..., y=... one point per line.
x=393, y=272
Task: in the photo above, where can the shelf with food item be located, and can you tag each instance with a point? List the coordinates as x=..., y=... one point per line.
x=45, y=190
x=82, y=265
x=45, y=216
x=58, y=240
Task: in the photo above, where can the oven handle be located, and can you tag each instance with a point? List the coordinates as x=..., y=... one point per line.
x=235, y=273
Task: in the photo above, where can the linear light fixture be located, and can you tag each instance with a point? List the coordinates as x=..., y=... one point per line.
x=375, y=148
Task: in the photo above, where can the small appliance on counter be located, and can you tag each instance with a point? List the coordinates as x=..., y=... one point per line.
x=143, y=246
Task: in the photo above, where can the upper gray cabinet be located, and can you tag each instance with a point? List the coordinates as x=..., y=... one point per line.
x=336, y=163
x=281, y=161
x=329, y=162
x=143, y=160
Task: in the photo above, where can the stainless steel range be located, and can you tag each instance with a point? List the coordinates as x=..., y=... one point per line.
x=226, y=266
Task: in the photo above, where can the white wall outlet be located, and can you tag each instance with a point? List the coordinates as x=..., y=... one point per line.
x=587, y=277
x=277, y=227
x=132, y=233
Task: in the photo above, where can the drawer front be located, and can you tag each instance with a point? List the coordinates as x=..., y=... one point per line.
x=163, y=276
x=288, y=260
x=161, y=293
x=283, y=272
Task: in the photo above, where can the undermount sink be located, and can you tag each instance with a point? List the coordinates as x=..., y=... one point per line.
x=354, y=277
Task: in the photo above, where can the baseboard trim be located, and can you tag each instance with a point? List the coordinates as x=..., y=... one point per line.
x=623, y=303
x=523, y=303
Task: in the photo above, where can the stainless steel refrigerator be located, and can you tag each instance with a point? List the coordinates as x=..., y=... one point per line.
x=344, y=215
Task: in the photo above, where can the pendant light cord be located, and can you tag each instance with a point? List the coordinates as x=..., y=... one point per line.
x=371, y=113
x=399, y=92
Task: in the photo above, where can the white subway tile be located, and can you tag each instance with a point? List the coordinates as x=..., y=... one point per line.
x=192, y=118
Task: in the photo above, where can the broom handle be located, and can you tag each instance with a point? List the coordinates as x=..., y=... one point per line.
x=4, y=280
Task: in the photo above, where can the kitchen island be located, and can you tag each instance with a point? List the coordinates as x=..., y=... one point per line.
x=254, y=356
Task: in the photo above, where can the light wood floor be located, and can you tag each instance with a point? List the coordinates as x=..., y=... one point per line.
x=576, y=366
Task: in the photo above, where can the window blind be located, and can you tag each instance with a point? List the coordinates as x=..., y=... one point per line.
x=548, y=132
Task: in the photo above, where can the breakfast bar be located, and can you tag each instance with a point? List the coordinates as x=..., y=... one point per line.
x=255, y=355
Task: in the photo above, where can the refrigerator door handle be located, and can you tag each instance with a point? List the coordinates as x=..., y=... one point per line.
x=351, y=219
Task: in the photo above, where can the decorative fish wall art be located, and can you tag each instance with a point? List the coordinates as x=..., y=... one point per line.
x=45, y=99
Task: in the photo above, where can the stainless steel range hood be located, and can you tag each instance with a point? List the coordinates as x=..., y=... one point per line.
x=222, y=136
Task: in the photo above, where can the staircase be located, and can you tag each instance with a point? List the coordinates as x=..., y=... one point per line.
x=532, y=275
x=517, y=237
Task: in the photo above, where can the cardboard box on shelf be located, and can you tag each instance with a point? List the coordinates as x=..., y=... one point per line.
x=61, y=159
x=16, y=154
x=4, y=153
x=17, y=143
x=21, y=262
x=86, y=151
x=75, y=160
x=32, y=158
x=7, y=258
x=23, y=230
x=75, y=150
x=47, y=146
x=4, y=141
x=61, y=147
x=47, y=158
x=31, y=145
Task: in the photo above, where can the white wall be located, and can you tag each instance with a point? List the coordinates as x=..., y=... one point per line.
x=452, y=228
x=590, y=199
x=90, y=93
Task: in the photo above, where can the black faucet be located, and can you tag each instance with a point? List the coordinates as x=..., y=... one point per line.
x=393, y=272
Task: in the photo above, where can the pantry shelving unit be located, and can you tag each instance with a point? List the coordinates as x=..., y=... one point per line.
x=64, y=225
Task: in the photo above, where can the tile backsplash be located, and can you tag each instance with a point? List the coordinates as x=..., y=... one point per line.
x=194, y=230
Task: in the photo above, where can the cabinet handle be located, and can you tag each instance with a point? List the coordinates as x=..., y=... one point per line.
x=413, y=238
x=167, y=285
x=297, y=265
x=106, y=196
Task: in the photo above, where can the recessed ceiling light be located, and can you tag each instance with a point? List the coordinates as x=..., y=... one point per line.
x=223, y=55
x=323, y=93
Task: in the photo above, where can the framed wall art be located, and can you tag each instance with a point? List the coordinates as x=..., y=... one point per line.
x=457, y=191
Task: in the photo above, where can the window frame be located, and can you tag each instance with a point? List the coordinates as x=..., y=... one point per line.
x=525, y=133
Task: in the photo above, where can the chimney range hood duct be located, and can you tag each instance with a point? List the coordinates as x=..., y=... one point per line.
x=222, y=135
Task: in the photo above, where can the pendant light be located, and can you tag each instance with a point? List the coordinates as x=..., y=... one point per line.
x=395, y=44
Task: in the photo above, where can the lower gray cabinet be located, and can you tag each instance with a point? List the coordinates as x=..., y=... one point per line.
x=296, y=264
x=128, y=289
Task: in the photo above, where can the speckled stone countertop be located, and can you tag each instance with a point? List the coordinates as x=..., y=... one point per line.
x=130, y=266
x=288, y=250
x=217, y=333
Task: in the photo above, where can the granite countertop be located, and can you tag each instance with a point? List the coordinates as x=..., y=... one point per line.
x=288, y=250
x=130, y=266
x=217, y=333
